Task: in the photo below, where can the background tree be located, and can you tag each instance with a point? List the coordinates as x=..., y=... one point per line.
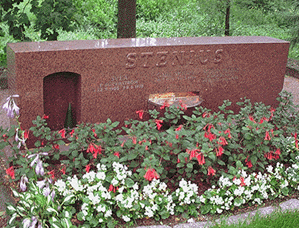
x=54, y=15
x=126, y=25
x=295, y=28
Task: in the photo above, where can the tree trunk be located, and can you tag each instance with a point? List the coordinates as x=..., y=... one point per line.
x=126, y=26
x=226, y=32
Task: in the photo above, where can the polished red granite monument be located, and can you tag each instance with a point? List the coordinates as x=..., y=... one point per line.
x=114, y=78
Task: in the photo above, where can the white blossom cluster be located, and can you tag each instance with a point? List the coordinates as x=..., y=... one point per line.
x=99, y=199
x=158, y=196
x=251, y=188
x=187, y=193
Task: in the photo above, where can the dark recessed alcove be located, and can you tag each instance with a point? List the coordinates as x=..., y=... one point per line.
x=60, y=90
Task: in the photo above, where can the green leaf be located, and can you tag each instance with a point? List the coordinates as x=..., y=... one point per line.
x=3, y=144
x=129, y=182
x=80, y=216
x=132, y=156
x=190, y=166
x=285, y=191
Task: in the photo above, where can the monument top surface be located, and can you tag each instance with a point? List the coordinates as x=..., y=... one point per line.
x=137, y=42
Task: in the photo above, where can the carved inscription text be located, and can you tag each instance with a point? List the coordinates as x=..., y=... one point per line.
x=166, y=58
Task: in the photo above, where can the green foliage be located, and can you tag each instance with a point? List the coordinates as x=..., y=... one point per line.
x=100, y=14
x=52, y=15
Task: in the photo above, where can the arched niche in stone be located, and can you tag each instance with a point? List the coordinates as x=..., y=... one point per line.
x=60, y=90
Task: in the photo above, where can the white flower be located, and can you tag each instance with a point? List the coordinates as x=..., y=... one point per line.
x=89, y=176
x=191, y=220
x=60, y=184
x=101, y=175
x=76, y=184
x=108, y=213
x=126, y=218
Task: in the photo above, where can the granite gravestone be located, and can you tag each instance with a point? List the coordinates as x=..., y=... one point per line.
x=114, y=78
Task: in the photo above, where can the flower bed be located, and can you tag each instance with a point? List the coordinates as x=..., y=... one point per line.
x=158, y=171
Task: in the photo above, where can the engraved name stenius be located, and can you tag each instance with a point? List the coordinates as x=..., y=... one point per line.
x=165, y=58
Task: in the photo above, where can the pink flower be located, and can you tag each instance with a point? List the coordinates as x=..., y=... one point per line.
x=140, y=113
x=151, y=174
x=26, y=134
x=211, y=171
x=11, y=172
x=158, y=122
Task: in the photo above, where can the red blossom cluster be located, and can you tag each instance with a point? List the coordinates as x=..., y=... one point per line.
x=272, y=155
x=140, y=113
x=112, y=188
x=11, y=172
x=159, y=124
x=151, y=174
x=94, y=149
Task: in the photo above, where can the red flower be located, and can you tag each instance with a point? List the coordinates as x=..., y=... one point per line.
x=177, y=136
x=146, y=147
x=205, y=115
x=62, y=132
x=4, y=137
x=227, y=131
x=87, y=168
x=72, y=132
x=200, y=158
x=277, y=152
x=210, y=136
x=112, y=188
x=223, y=141
x=219, y=152
x=158, y=122
x=193, y=153
x=296, y=141
x=11, y=172
x=140, y=113
x=251, y=118
x=56, y=146
x=242, y=182
x=211, y=171
x=26, y=134
x=94, y=132
x=116, y=154
x=123, y=143
x=45, y=117
x=248, y=163
x=134, y=140
x=183, y=105
x=267, y=136
x=63, y=170
x=179, y=128
x=178, y=161
x=94, y=149
x=165, y=104
x=151, y=174
x=51, y=173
